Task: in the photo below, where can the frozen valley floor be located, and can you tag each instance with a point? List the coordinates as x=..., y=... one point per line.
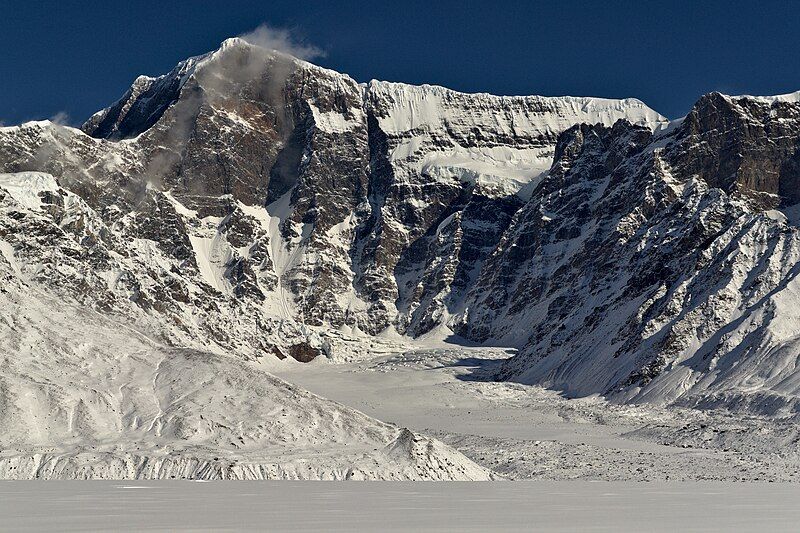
x=527, y=432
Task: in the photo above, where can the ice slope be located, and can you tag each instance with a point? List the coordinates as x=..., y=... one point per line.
x=788, y=98
x=26, y=188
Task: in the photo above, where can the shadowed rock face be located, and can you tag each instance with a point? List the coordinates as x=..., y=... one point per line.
x=746, y=147
x=303, y=353
x=140, y=108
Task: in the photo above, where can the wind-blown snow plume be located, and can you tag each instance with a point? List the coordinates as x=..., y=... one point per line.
x=282, y=40
x=61, y=119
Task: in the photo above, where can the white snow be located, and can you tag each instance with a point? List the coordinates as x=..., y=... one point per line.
x=282, y=256
x=400, y=506
x=531, y=432
x=333, y=122
x=25, y=187
x=437, y=131
x=86, y=396
x=428, y=106
x=7, y=252
x=789, y=97
x=179, y=207
x=503, y=170
x=212, y=254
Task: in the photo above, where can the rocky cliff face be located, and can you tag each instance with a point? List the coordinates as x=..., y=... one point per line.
x=250, y=201
x=658, y=267
x=448, y=170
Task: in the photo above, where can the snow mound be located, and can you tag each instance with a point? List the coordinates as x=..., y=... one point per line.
x=84, y=396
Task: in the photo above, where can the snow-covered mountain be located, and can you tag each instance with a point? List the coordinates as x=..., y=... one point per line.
x=358, y=179
x=249, y=205
x=658, y=267
x=381, y=200
x=245, y=206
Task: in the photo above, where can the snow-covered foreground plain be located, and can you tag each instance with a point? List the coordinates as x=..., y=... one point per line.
x=398, y=506
x=526, y=432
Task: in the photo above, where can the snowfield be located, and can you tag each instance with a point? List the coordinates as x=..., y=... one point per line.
x=528, y=432
x=398, y=506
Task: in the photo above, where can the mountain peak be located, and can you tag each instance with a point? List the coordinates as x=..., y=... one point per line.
x=233, y=42
x=148, y=97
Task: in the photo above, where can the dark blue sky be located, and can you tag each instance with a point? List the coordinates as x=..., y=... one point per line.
x=77, y=57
